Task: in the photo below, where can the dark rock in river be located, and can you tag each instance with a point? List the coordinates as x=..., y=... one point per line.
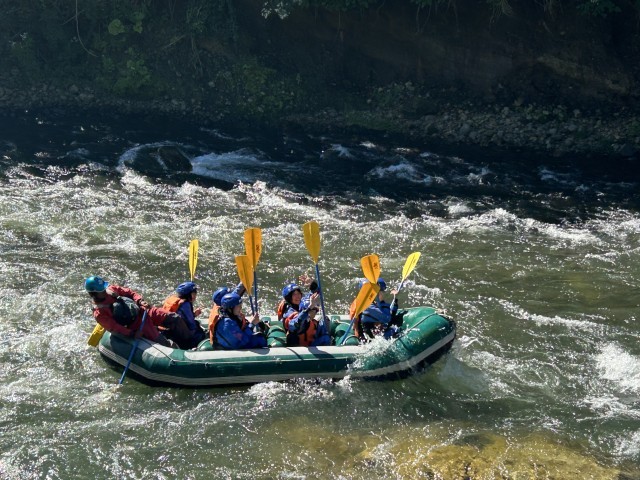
x=160, y=161
x=174, y=159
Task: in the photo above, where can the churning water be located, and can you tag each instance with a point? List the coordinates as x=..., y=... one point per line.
x=537, y=259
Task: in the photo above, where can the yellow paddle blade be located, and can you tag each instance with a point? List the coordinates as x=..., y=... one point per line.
x=245, y=271
x=311, y=232
x=96, y=335
x=253, y=245
x=193, y=257
x=366, y=295
x=371, y=267
x=410, y=264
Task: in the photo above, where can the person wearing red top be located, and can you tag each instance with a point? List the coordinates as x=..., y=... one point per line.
x=120, y=309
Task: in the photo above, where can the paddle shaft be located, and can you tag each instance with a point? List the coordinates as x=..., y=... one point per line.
x=253, y=309
x=409, y=265
x=398, y=290
x=255, y=291
x=133, y=349
x=324, y=312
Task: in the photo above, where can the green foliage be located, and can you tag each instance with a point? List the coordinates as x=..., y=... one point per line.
x=147, y=47
x=500, y=7
x=130, y=76
x=133, y=23
x=134, y=76
x=197, y=18
x=283, y=8
x=599, y=8
x=634, y=128
x=342, y=5
x=136, y=18
x=24, y=53
x=430, y=3
x=116, y=27
x=257, y=91
x=216, y=17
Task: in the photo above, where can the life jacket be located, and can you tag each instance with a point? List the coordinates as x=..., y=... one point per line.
x=215, y=322
x=173, y=302
x=125, y=310
x=303, y=339
x=283, y=307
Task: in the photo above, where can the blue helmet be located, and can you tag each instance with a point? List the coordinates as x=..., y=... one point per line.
x=230, y=300
x=95, y=284
x=186, y=288
x=289, y=289
x=218, y=294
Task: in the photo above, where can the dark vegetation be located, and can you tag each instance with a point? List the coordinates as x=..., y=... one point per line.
x=267, y=60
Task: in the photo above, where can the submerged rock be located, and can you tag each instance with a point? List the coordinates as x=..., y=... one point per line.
x=160, y=161
x=174, y=159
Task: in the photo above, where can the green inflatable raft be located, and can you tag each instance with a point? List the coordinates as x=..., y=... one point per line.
x=425, y=335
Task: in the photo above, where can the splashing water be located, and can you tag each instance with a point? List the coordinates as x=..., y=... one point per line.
x=537, y=261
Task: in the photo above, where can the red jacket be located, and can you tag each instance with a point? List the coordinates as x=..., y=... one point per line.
x=103, y=313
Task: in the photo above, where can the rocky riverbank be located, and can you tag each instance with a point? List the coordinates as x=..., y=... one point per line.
x=549, y=129
x=441, y=119
x=550, y=81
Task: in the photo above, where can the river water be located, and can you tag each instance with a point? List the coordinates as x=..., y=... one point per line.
x=537, y=259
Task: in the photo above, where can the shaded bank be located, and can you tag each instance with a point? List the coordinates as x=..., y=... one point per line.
x=444, y=74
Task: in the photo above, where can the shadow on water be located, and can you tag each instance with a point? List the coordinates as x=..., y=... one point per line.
x=414, y=180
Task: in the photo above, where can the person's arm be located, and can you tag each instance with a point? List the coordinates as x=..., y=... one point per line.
x=230, y=335
x=394, y=308
x=248, y=333
x=309, y=282
x=394, y=302
x=258, y=326
x=299, y=322
x=184, y=310
x=386, y=310
x=127, y=292
x=105, y=318
x=240, y=289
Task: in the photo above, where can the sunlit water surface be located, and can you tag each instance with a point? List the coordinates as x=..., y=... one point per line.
x=538, y=261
